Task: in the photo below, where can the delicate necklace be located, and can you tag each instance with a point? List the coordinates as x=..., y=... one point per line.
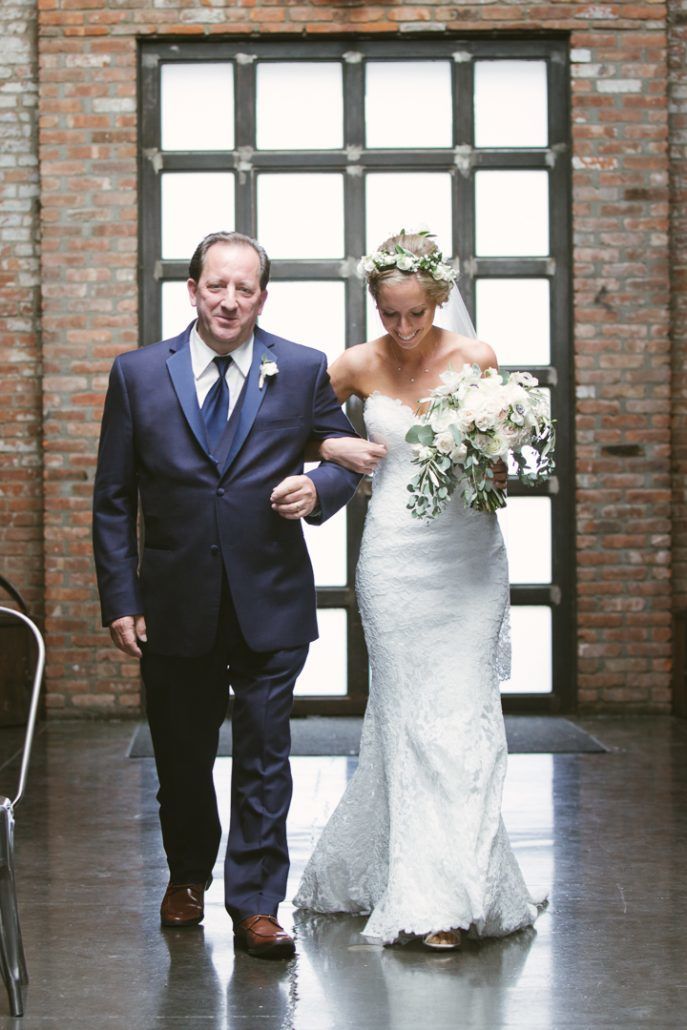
x=401, y=369
x=411, y=379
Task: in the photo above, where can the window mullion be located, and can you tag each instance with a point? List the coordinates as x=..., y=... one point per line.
x=246, y=215
x=150, y=221
x=463, y=180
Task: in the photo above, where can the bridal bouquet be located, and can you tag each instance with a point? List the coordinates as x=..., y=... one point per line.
x=473, y=419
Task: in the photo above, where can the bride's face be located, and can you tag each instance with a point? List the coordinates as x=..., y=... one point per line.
x=406, y=312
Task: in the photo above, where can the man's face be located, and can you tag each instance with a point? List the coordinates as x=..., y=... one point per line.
x=227, y=296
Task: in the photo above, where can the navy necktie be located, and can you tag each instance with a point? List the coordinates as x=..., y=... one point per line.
x=216, y=404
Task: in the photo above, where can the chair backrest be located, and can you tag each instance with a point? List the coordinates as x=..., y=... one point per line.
x=35, y=697
x=16, y=661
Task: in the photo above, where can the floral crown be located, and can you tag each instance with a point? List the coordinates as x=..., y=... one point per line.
x=406, y=261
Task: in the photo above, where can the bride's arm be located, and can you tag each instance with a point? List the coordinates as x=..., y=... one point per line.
x=352, y=452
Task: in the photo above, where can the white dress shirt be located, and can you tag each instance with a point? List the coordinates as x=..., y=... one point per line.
x=205, y=371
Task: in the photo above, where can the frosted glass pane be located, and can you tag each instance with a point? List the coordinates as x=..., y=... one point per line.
x=326, y=670
x=313, y=313
x=526, y=528
x=531, y=629
x=513, y=316
x=511, y=107
x=197, y=106
x=301, y=215
x=299, y=105
x=327, y=547
x=177, y=311
x=193, y=205
x=408, y=104
x=411, y=201
x=512, y=213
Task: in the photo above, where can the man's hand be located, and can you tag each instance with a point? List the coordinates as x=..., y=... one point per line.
x=125, y=633
x=294, y=498
x=500, y=474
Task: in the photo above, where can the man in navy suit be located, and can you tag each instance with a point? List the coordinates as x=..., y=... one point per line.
x=205, y=434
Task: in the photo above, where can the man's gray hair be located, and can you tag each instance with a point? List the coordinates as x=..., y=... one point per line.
x=195, y=267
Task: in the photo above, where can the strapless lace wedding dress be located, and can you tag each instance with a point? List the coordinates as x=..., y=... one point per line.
x=417, y=840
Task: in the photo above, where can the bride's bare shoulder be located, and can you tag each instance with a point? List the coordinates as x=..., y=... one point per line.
x=359, y=353
x=352, y=370
x=468, y=351
x=361, y=358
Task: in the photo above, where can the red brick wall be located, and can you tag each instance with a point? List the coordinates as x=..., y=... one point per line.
x=678, y=257
x=88, y=104
x=89, y=249
x=20, y=354
x=622, y=361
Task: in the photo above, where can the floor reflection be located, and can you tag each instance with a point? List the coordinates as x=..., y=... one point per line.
x=401, y=988
x=605, y=833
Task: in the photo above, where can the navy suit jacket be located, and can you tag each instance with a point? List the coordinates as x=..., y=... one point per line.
x=201, y=519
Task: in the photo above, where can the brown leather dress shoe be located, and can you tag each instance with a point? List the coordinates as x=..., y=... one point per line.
x=263, y=937
x=183, y=904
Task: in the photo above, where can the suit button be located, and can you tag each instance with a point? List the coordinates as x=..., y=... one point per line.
x=220, y=491
x=214, y=549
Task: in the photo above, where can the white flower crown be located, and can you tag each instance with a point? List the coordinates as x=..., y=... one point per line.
x=406, y=261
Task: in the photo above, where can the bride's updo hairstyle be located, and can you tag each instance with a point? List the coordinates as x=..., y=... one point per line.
x=409, y=254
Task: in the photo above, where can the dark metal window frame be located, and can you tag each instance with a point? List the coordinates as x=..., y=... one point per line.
x=461, y=160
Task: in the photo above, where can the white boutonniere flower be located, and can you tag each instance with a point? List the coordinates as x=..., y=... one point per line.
x=268, y=368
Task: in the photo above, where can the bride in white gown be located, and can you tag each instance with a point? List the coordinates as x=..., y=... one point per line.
x=417, y=840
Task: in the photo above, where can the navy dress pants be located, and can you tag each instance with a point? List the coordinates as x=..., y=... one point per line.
x=186, y=702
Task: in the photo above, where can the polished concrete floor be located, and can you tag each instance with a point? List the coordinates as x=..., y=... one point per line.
x=605, y=833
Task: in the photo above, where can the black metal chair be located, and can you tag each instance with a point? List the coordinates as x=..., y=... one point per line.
x=12, y=958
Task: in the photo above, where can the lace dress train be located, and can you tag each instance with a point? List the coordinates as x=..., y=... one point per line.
x=417, y=840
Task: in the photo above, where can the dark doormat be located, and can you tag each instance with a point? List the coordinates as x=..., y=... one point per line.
x=318, y=735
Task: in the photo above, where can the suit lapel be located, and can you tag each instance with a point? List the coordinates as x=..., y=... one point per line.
x=181, y=373
x=253, y=398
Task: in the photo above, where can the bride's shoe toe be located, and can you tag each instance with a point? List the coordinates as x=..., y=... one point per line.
x=443, y=940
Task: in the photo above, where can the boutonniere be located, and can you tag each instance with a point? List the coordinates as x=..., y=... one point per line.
x=268, y=368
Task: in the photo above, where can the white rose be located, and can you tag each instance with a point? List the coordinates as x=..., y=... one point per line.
x=423, y=453
x=405, y=262
x=466, y=419
x=510, y=435
x=445, y=442
x=385, y=259
x=491, y=446
x=486, y=418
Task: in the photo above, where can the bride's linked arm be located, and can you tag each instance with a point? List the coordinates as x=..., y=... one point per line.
x=352, y=452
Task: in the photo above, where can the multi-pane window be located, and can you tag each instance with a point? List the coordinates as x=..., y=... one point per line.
x=322, y=150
